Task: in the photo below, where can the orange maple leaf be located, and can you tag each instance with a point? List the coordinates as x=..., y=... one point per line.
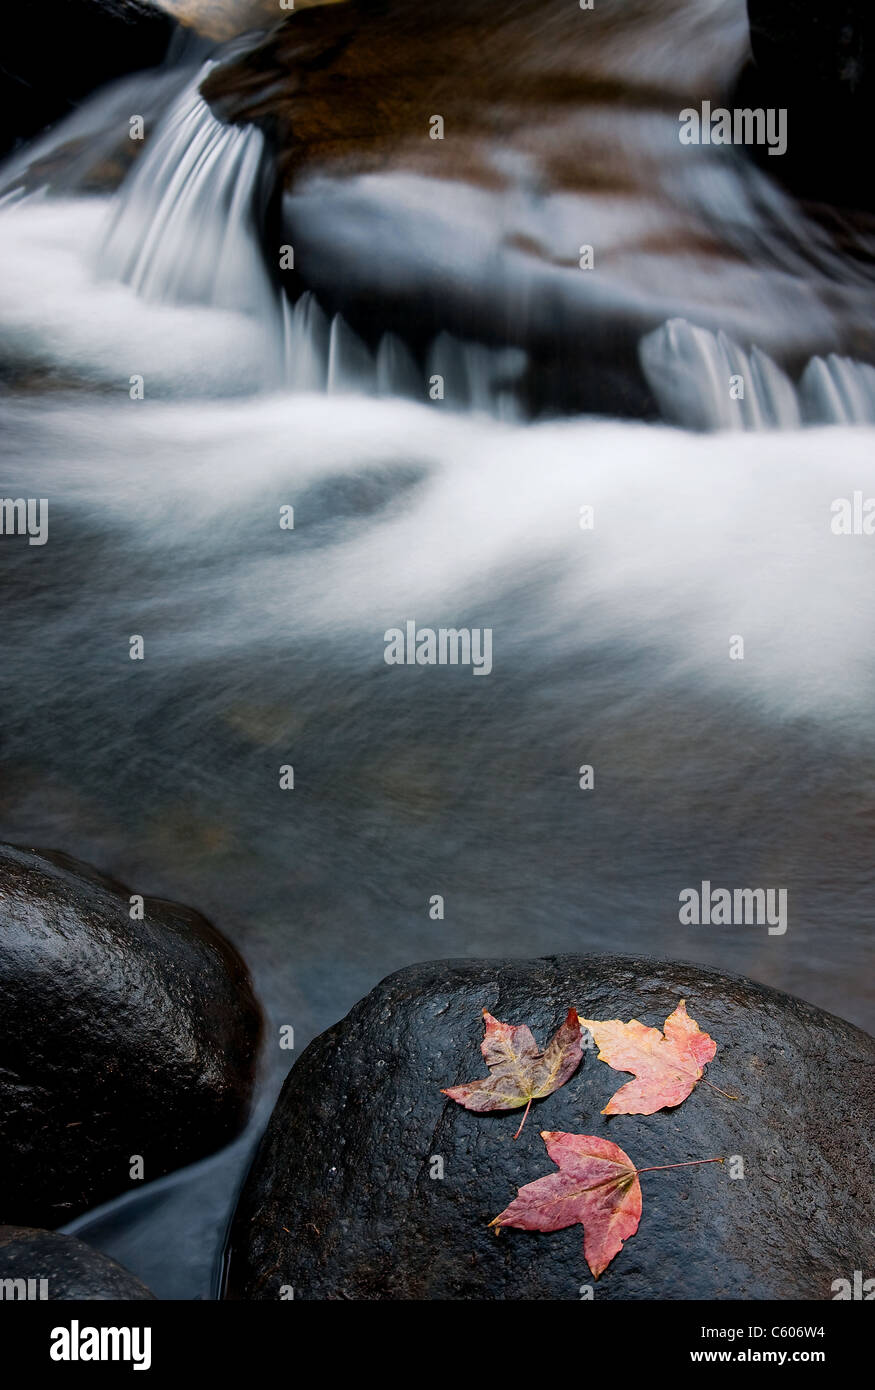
x=597, y=1186
x=518, y=1072
x=666, y=1066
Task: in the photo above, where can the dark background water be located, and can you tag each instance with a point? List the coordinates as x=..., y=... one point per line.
x=265, y=647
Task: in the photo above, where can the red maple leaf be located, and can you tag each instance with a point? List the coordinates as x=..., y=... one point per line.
x=596, y=1186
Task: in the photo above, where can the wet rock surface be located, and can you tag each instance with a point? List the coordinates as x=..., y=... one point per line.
x=341, y=1204
x=118, y=1038
x=47, y=1265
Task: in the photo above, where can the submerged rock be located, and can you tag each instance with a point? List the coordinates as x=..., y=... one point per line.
x=119, y=1039
x=345, y=1199
x=45, y=1265
x=560, y=131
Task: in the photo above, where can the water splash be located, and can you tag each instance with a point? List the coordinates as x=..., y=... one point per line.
x=691, y=371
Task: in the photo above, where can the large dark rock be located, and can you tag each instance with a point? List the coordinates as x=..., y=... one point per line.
x=70, y=1268
x=340, y=1202
x=561, y=130
x=117, y=1038
x=818, y=61
x=57, y=51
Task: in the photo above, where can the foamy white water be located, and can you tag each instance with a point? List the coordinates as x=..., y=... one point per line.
x=59, y=314
x=696, y=538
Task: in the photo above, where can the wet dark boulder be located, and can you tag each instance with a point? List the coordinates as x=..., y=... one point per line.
x=45, y=1265
x=58, y=51
x=345, y=1200
x=818, y=62
x=119, y=1039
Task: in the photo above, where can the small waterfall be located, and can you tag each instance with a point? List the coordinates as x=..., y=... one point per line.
x=690, y=372
x=838, y=391
x=325, y=354
x=185, y=228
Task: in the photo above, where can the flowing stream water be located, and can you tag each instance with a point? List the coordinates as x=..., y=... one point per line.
x=265, y=646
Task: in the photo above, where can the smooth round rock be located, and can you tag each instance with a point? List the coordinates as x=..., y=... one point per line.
x=46, y=1266
x=119, y=1039
x=342, y=1201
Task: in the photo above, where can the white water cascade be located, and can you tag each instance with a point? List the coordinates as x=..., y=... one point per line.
x=184, y=235
x=690, y=372
x=185, y=230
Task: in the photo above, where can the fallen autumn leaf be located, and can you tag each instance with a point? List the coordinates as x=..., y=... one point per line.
x=666, y=1066
x=518, y=1072
x=596, y=1186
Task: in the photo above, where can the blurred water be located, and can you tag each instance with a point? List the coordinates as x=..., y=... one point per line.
x=265, y=647
x=690, y=371
x=185, y=225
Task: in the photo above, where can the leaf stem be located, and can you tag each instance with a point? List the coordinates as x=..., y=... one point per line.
x=660, y=1167
x=717, y=1088
x=523, y=1120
